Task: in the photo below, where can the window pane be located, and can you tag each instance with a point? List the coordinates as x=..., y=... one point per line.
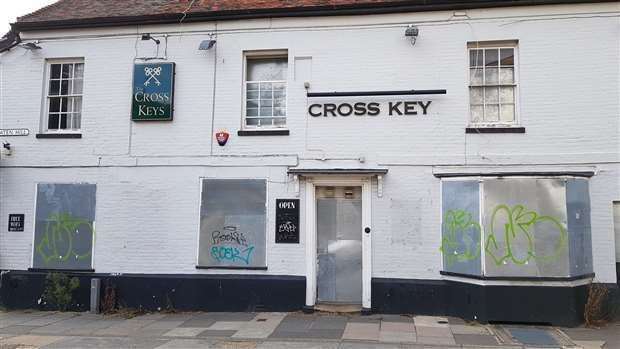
x=79, y=71
x=52, y=122
x=476, y=95
x=477, y=113
x=279, y=121
x=251, y=94
x=279, y=102
x=252, y=112
x=78, y=104
x=266, y=86
x=265, y=122
x=54, y=88
x=251, y=104
x=490, y=57
x=491, y=112
x=506, y=95
x=266, y=111
x=490, y=77
x=63, y=104
x=265, y=103
x=266, y=69
x=252, y=122
x=67, y=71
x=475, y=76
x=63, y=121
x=64, y=87
x=77, y=121
x=475, y=58
x=253, y=86
x=266, y=94
x=507, y=113
x=54, y=105
x=281, y=87
x=77, y=87
x=491, y=95
x=507, y=75
x=55, y=71
x=279, y=111
x=507, y=56
x=279, y=94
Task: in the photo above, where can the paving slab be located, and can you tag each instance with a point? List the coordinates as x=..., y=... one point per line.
x=123, y=328
x=397, y=336
x=435, y=340
x=227, y=325
x=397, y=326
x=261, y=326
x=49, y=319
x=165, y=325
x=590, y=344
x=357, y=345
x=31, y=340
x=475, y=339
x=184, y=332
x=396, y=318
x=106, y=343
x=361, y=331
x=431, y=321
x=295, y=324
x=89, y=328
x=297, y=345
x=469, y=329
x=311, y=334
x=426, y=331
x=17, y=329
x=329, y=323
x=217, y=333
x=229, y=344
x=187, y=344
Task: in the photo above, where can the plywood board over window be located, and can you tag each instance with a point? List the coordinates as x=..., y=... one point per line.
x=232, y=223
x=65, y=226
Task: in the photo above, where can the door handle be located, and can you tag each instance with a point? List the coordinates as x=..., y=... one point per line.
x=367, y=230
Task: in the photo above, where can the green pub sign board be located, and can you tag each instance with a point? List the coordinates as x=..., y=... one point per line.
x=153, y=89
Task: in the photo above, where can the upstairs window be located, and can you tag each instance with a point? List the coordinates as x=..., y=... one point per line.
x=63, y=110
x=265, y=91
x=492, y=83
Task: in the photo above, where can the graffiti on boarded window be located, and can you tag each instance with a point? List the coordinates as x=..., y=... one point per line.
x=529, y=227
x=64, y=227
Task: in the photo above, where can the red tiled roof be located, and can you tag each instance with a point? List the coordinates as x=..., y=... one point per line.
x=85, y=13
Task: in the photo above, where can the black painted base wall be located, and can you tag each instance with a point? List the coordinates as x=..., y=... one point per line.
x=23, y=289
x=562, y=306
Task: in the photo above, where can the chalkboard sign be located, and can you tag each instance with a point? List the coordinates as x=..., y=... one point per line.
x=16, y=222
x=287, y=221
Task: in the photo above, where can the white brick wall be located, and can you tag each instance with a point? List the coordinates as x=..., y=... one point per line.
x=148, y=179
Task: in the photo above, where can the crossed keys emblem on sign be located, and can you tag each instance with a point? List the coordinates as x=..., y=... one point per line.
x=152, y=73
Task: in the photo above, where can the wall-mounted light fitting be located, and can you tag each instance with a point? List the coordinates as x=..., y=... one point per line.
x=31, y=46
x=206, y=44
x=412, y=32
x=148, y=36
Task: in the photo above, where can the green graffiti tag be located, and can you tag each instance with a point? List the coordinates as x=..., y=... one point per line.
x=457, y=245
x=517, y=232
x=57, y=243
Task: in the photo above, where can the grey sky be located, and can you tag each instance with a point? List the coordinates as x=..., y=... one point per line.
x=11, y=9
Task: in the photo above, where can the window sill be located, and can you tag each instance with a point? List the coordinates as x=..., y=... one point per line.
x=59, y=135
x=487, y=129
x=230, y=268
x=263, y=133
x=517, y=278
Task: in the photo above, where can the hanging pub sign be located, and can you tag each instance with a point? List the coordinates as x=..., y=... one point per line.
x=287, y=221
x=16, y=222
x=153, y=90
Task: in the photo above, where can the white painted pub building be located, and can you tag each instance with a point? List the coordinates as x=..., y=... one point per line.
x=431, y=157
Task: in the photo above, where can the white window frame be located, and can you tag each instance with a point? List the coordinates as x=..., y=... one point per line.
x=504, y=44
x=264, y=54
x=46, y=97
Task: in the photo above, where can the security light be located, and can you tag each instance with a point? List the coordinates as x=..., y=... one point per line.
x=148, y=36
x=31, y=46
x=206, y=44
x=412, y=32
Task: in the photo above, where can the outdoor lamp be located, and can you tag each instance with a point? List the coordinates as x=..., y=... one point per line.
x=206, y=44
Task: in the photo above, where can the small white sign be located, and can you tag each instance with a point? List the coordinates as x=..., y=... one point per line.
x=14, y=132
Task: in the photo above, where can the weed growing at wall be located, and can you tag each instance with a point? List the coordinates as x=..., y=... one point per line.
x=597, y=310
x=59, y=289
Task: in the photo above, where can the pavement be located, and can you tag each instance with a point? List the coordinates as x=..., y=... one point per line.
x=37, y=329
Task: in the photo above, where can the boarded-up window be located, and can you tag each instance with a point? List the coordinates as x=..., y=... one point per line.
x=232, y=223
x=65, y=226
x=528, y=227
